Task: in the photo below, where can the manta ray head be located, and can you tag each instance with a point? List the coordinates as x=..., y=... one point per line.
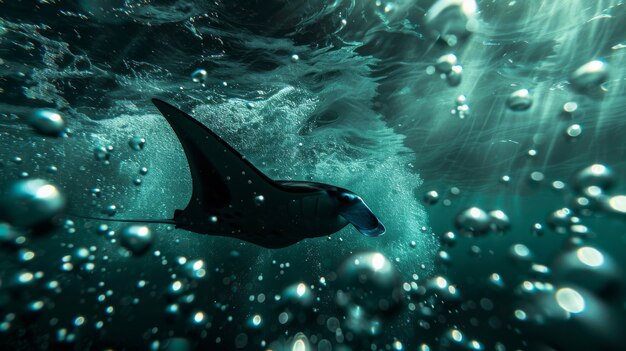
x=354, y=210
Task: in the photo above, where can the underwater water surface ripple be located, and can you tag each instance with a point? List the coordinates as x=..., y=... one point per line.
x=488, y=136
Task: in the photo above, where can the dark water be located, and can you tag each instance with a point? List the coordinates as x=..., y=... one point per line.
x=390, y=99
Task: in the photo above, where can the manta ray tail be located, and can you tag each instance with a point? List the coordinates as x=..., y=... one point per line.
x=160, y=221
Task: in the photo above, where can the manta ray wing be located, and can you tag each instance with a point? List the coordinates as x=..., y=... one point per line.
x=221, y=176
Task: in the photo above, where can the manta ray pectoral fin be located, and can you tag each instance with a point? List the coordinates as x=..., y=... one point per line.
x=362, y=218
x=220, y=175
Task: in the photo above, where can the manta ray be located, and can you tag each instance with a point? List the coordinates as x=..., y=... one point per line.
x=232, y=198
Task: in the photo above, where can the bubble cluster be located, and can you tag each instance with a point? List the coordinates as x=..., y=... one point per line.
x=450, y=70
x=475, y=222
x=462, y=108
x=195, y=269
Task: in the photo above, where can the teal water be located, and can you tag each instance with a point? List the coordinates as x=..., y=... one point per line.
x=390, y=99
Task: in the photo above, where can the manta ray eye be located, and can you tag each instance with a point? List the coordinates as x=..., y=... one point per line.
x=346, y=198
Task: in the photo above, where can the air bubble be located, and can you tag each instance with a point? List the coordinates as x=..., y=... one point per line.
x=199, y=76
x=102, y=153
x=519, y=100
x=137, y=238
x=259, y=200
x=573, y=131
x=446, y=62
x=590, y=76
x=31, y=202
x=431, y=197
x=47, y=122
x=473, y=221
x=137, y=143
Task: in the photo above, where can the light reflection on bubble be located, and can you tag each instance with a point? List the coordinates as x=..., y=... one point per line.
x=25, y=277
x=283, y=317
x=519, y=100
x=456, y=335
x=589, y=75
x=590, y=256
x=47, y=122
x=570, y=300
x=519, y=314
x=256, y=320
x=198, y=317
x=47, y=191
x=397, y=345
x=378, y=261
x=476, y=345
x=301, y=289
x=520, y=251
x=299, y=345
x=618, y=203
x=574, y=130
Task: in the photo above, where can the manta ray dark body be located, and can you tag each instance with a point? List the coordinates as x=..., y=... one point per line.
x=233, y=198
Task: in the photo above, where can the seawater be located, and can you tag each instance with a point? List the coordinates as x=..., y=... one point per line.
x=488, y=136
